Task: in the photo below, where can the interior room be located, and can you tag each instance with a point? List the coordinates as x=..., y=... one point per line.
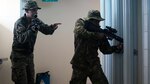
x=53, y=53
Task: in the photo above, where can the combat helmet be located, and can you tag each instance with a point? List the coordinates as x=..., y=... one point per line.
x=94, y=14
x=31, y=5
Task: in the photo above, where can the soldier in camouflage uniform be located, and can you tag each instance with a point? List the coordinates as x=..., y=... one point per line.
x=85, y=62
x=25, y=33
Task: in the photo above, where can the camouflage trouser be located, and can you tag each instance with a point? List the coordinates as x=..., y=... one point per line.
x=22, y=68
x=95, y=74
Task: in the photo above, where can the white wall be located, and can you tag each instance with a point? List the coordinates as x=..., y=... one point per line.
x=9, y=13
x=53, y=52
x=5, y=49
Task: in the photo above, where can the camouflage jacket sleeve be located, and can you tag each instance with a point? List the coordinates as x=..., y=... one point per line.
x=81, y=32
x=105, y=47
x=44, y=28
x=22, y=34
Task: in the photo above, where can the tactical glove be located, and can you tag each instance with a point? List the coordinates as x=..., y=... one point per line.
x=118, y=48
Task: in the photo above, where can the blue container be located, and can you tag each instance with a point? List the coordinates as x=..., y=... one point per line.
x=44, y=77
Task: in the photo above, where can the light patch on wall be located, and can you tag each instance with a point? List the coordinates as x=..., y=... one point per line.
x=10, y=12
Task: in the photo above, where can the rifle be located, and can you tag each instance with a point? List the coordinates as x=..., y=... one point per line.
x=108, y=31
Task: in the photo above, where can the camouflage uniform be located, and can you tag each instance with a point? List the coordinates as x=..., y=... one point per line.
x=85, y=62
x=24, y=39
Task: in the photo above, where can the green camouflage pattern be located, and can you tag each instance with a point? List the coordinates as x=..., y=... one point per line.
x=22, y=68
x=94, y=14
x=86, y=46
x=22, y=49
x=24, y=37
x=85, y=61
x=31, y=5
x=95, y=74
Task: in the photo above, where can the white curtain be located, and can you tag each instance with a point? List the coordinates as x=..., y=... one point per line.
x=124, y=16
x=106, y=60
x=145, y=41
x=113, y=64
x=148, y=15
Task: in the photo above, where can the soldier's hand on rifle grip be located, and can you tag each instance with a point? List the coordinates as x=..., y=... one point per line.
x=120, y=47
